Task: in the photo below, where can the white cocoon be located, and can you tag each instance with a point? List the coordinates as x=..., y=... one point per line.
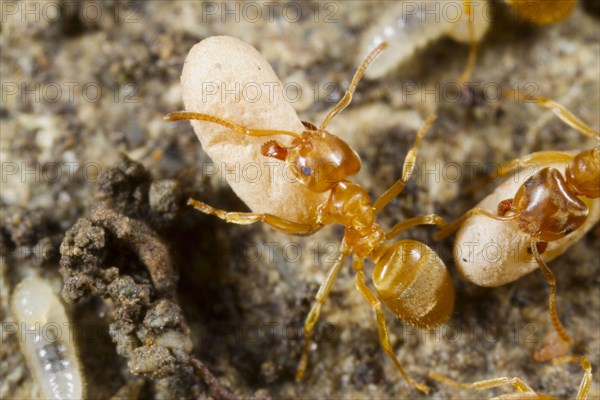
x=228, y=78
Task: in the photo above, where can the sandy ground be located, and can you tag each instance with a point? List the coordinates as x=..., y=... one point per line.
x=84, y=83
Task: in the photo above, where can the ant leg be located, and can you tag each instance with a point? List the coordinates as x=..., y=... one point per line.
x=381, y=325
x=449, y=229
x=582, y=393
x=431, y=219
x=533, y=161
x=550, y=278
x=560, y=111
x=484, y=384
x=313, y=315
x=586, y=381
x=250, y=218
x=241, y=129
x=339, y=107
x=407, y=169
x=473, y=44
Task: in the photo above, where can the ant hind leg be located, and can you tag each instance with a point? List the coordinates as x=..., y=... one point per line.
x=381, y=325
x=315, y=311
x=586, y=381
x=484, y=384
x=582, y=392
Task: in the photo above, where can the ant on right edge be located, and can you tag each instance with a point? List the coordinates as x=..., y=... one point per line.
x=546, y=213
x=549, y=205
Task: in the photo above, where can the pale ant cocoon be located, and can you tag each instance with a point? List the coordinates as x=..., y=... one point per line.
x=226, y=77
x=46, y=341
x=409, y=26
x=492, y=253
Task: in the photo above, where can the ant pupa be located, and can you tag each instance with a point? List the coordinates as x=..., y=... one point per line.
x=537, y=216
x=45, y=340
x=525, y=391
x=408, y=276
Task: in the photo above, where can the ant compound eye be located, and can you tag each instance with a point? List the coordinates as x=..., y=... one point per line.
x=529, y=182
x=306, y=171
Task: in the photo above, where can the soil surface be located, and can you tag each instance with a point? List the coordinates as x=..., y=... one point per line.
x=168, y=302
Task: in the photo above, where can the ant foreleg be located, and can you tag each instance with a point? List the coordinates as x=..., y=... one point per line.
x=533, y=161
x=407, y=168
x=449, y=229
x=560, y=111
x=468, y=71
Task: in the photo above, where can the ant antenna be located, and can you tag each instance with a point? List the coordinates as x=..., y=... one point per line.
x=357, y=77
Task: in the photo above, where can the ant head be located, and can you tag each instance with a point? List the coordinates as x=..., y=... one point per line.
x=583, y=173
x=317, y=159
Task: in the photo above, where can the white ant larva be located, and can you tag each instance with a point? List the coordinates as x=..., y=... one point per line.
x=409, y=26
x=45, y=340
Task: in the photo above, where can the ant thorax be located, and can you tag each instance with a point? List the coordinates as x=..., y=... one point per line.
x=350, y=205
x=548, y=207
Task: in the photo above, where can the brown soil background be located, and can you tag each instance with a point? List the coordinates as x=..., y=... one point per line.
x=245, y=308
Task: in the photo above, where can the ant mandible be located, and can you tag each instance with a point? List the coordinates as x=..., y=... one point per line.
x=548, y=206
x=408, y=276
